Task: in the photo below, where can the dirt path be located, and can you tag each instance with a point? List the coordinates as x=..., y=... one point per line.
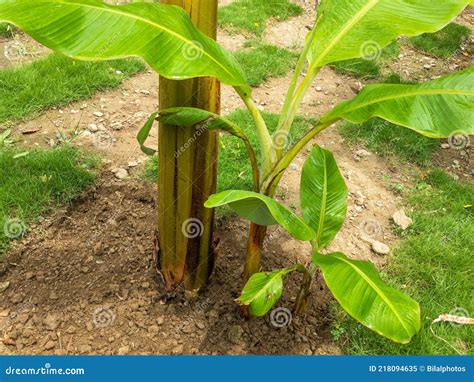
x=83, y=281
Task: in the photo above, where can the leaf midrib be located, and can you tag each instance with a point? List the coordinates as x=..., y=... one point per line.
x=347, y=27
x=323, y=201
x=378, y=291
x=406, y=95
x=107, y=8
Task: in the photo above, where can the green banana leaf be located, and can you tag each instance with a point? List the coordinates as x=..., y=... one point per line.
x=161, y=34
x=323, y=196
x=262, y=210
x=143, y=134
x=263, y=290
x=437, y=109
x=361, y=28
x=357, y=286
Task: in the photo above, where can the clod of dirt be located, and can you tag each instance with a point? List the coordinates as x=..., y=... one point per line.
x=402, y=220
x=380, y=248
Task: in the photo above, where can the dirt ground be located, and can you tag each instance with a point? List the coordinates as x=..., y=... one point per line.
x=83, y=281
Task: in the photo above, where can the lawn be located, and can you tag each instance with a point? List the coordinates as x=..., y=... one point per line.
x=29, y=90
x=38, y=182
x=251, y=15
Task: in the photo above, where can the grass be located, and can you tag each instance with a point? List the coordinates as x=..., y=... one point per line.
x=387, y=139
x=6, y=30
x=252, y=15
x=56, y=80
x=234, y=170
x=364, y=68
x=444, y=43
x=272, y=62
x=37, y=182
x=434, y=266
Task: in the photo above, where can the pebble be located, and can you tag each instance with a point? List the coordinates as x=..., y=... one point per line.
x=98, y=114
x=235, y=334
x=294, y=167
x=445, y=146
x=124, y=350
x=93, y=127
x=49, y=345
x=4, y=286
x=178, y=349
x=380, y=248
x=402, y=220
x=121, y=174
x=319, y=89
x=51, y=321
x=160, y=321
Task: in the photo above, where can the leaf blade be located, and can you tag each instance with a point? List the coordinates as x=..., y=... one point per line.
x=163, y=35
x=323, y=195
x=263, y=290
x=359, y=289
x=436, y=108
x=262, y=210
x=356, y=28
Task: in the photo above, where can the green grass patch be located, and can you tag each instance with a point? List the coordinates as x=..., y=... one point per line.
x=56, y=80
x=434, y=266
x=444, y=43
x=262, y=61
x=37, y=182
x=235, y=171
x=387, y=139
x=6, y=30
x=365, y=68
x=252, y=15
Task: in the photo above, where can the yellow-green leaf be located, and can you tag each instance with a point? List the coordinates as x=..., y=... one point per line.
x=161, y=34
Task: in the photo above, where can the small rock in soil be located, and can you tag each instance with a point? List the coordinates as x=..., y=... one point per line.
x=380, y=248
x=124, y=350
x=402, y=220
x=178, y=349
x=121, y=173
x=98, y=114
x=235, y=334
x=4, y=286
x=49, y=345
x=93, y=127
x=51, y=321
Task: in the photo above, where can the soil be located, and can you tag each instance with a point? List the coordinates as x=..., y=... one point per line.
x=83, y=281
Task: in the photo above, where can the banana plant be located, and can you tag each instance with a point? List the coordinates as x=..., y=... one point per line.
x=164, y=36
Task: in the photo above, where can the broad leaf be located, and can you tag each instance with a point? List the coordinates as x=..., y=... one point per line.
x=361, y=28
x=263, y=290
x=437, y=109
x=143, y=134
x=91, y=30
x=323, y=196
x=262, y=210
x=357, y=286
